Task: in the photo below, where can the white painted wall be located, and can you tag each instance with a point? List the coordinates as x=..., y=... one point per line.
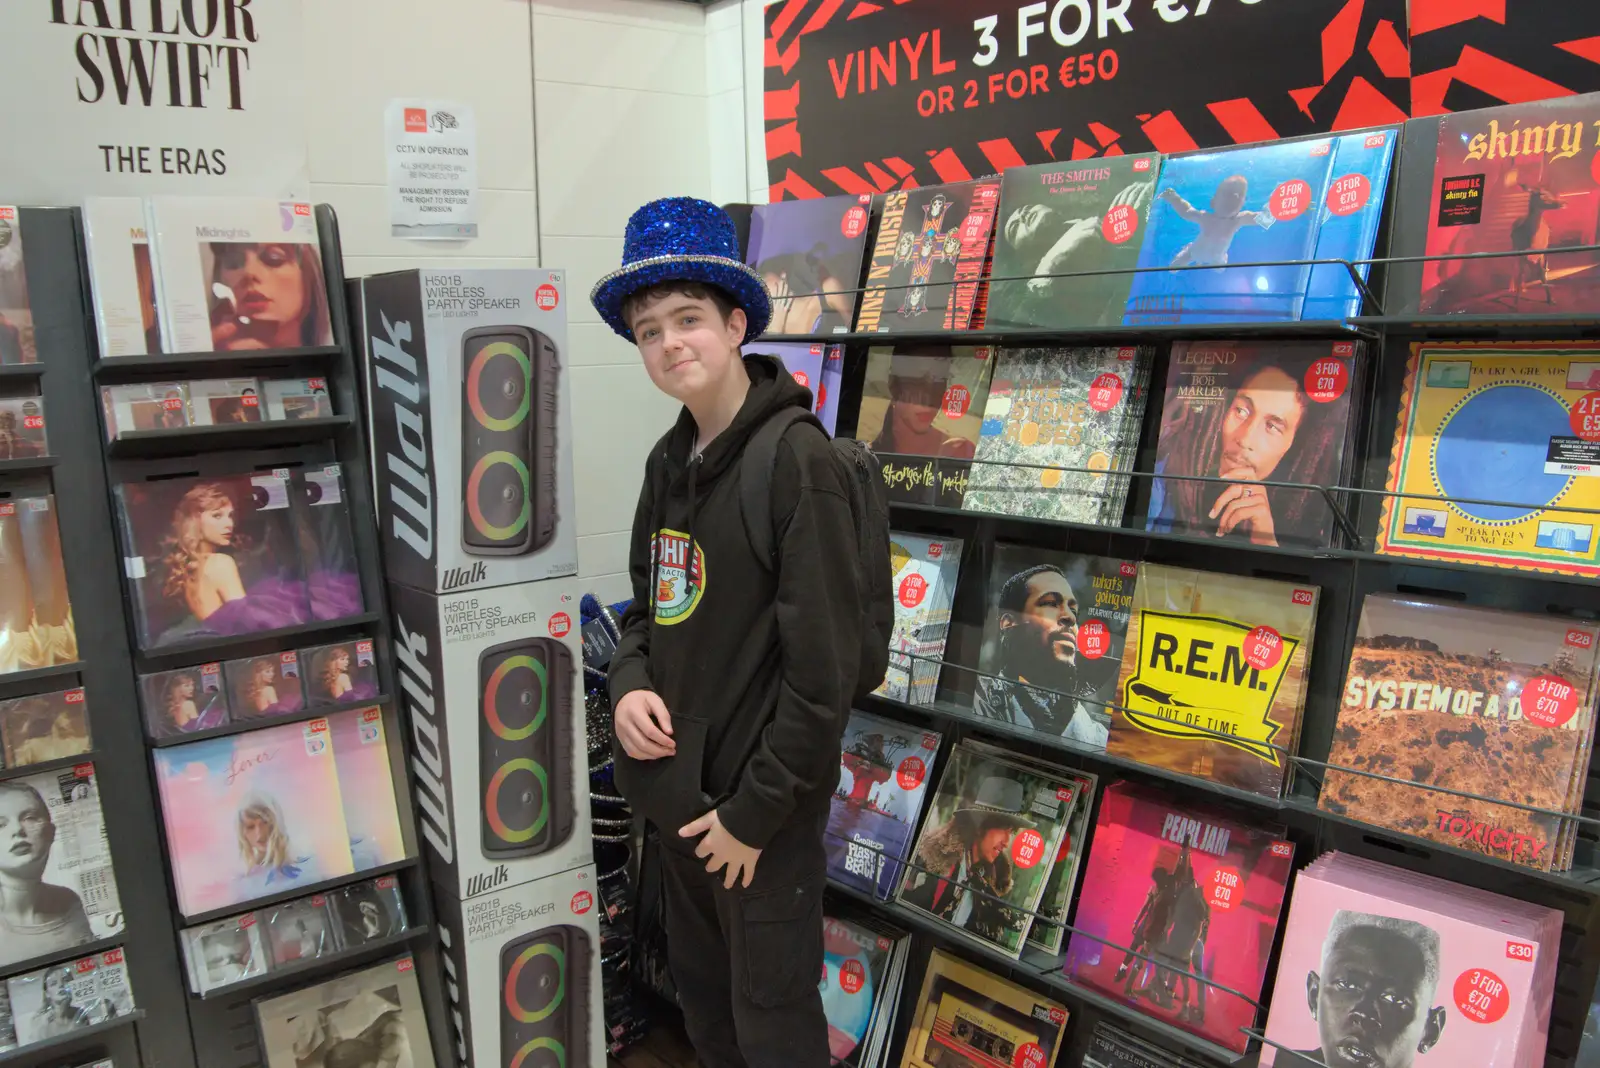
x=586, y=109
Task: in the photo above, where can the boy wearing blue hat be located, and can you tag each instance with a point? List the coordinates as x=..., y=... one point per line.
x=735, y=672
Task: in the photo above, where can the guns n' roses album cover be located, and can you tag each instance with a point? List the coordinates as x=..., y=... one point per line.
x=928, y=259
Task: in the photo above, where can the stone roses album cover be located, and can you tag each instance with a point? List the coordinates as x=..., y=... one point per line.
x=1213, y=675
x=1481, y=700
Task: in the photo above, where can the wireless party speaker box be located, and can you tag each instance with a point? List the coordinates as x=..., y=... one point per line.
x=508, y=440
x=544, y=1013
x=525, y=690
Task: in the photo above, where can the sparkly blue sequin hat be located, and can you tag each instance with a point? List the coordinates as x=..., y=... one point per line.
x=682, y=239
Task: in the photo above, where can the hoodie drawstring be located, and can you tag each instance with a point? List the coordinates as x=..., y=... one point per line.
x=694, y=493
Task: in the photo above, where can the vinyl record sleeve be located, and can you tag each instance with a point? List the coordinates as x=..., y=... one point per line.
x=225, y=952
x=297, y=398
x=184, y=701
x=368, y=911
x=16, y=313
x=46, y=726
x=121, y=275
x=855, y=969
x=22, y=428
x=809, y=253
x=239, y=273
x=371, y=1016
x=264, y=686
x=366, y=784
x=54, y=639
x=884, y=767
x=921, y=412
x=327, y=542
x=924, y=585
x=1349, y=217
x=966, y=1016
x=928, y=258
x=341, y=673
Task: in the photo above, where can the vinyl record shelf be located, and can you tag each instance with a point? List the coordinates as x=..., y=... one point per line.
x=174, y=1028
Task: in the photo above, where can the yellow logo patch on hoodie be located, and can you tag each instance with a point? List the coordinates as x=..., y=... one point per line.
x=680, y=576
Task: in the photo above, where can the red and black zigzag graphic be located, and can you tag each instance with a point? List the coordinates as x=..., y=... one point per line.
x=853, y=86
x=1482, y=53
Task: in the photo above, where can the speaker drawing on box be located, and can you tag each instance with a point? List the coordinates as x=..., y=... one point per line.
x=508, y=448
x=525, y=695
x=544, y=983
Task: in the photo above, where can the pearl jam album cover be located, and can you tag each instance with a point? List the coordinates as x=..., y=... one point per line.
x=883, y=778
x=809, y=252
x=1174, y=884
x=1498, y=422
x=1480, y=700
x=1054, y=410
x=1517, y=179
x=1065, y=217
x=921, y=411
x=1214, y=675
x=1252, y=412
x=929, y=259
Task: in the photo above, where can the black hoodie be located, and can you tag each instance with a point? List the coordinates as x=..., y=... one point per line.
x=755, y=664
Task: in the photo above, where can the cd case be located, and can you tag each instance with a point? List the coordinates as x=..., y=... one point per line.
x=225, y=952
x=265, y=686
x=43, y=727
x=220, y=401
x=297, y=398
x=184, y=701
x=342, y=673
x=368, y=911
x=144, y=406
x=56, y=1001
x=22, y=433
x=299, y=930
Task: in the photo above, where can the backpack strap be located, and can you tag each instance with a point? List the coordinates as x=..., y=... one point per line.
x=756, y=468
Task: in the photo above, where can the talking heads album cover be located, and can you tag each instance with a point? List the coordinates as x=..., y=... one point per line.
x=1249, y=412
x=16, y=314
x=265, y=686
x=60, y=889
x=1490, y=702
x=367, y=911
x=1057, y=426
x=327, y=542
x=1066, y=217
x=986, y=847
x=921, y=412
x=1519, y=179
x=369, y=1017
x=184, y=701
x=883, y=778
x=855, y=967
x=1349, y=216
x=1177, y=897
x=238, y=273
x=298, y=930
x=968, y=1017
x=22, y=430
x=1213, y=676
x=208, y=557
x=122, y=276
x=1244, y=205
x=1053, y=641
x=366, y=783
x=1497, y=423
x=46, y=726
x=342, y=673
x=809, y=252
x=928, y=259
x=248, y=815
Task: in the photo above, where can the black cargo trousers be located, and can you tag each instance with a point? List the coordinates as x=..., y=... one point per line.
x=747, y=962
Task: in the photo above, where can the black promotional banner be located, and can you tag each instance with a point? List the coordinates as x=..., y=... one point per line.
x=870, y=95
x=1468, y=54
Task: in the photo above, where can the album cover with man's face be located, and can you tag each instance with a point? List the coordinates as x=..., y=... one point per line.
x=921, y=412
x=368, y=1017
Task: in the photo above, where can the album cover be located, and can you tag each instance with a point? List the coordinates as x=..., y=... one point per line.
x=54, y=1002
x=1482, y=700
x=987, y=847
x=967, y=1017
x=144, y=406
x=249, y=815
x=184, y=701
x=883, y=778
x=1348, y=219
x=1058, y=621
x=1496, y=422
x=16, y=314
x=238, y=273
x=22, y=432
x=58, y=869
x=924, y=584
x=208, y=557
x=1055, y=430
x=342, y=673
x=1059, y=888
x=1067, y=217
x=366, y=783
x=18, y=650
x=855, y=970
x=327, y=542
x=121, y=276
x=1213, y=680
x=8, y=1027
x=1520, y=178
x=225, y=952
x=1250, y=412
x=53, y=639
x=1111, y=1047
x=263, y=686
x=928, y=258
x=819, y=368
x=1249, y=204
x=297, y=398
x=298, y=930
x=1177, y=897
x=367, y=911
x=222, y=401
x=46, y=726
x=921, y=412
x=809, y=252
x=370, y=1017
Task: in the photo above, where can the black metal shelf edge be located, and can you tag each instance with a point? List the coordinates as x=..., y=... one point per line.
x=46, y=766
x=306, y=890
x=1123, y=334
x=183, y=362
x=28, y=463
x=21, y=370
x=332, y=962
x=1531, y=323
x=61, y=956
x=247, y=725
x=11, y=680
x=200, y=651
x=150, y=443
x=52, y=1047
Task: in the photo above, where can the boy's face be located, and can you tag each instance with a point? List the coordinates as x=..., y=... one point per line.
x=688, y=350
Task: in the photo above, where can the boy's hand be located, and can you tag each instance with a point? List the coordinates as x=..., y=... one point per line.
x=643, y=726
x=721, y=848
